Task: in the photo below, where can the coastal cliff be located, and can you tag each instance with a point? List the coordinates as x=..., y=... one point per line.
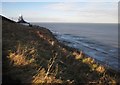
x=31, y=54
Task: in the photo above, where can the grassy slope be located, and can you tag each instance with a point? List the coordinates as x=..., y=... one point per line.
x=33, y=55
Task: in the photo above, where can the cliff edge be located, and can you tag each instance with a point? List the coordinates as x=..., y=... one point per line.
x=33, y=55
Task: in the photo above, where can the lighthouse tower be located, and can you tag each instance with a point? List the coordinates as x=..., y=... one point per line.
x=22, y=21
x=20, y=18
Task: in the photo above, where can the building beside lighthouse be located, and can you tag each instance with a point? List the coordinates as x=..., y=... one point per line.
x=22, y=21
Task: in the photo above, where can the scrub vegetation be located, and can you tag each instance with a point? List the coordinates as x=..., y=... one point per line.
x=31, y=54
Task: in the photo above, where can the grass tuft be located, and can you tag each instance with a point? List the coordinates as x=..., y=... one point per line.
x=22, y=56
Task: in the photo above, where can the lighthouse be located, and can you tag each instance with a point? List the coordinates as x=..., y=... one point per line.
x=22, y=21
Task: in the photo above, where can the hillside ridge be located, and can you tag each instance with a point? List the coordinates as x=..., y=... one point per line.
x=32, y=54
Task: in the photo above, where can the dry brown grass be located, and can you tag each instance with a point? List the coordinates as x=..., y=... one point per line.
x=28, y=61
x=22, y=56
x=90, y=61
x=78, y=55
x=48, y=76
x=100, y=69
x=41, y=78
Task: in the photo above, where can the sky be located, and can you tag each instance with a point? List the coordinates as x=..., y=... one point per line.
x=69, y=12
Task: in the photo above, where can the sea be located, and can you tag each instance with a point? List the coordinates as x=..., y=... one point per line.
x=97, y=40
